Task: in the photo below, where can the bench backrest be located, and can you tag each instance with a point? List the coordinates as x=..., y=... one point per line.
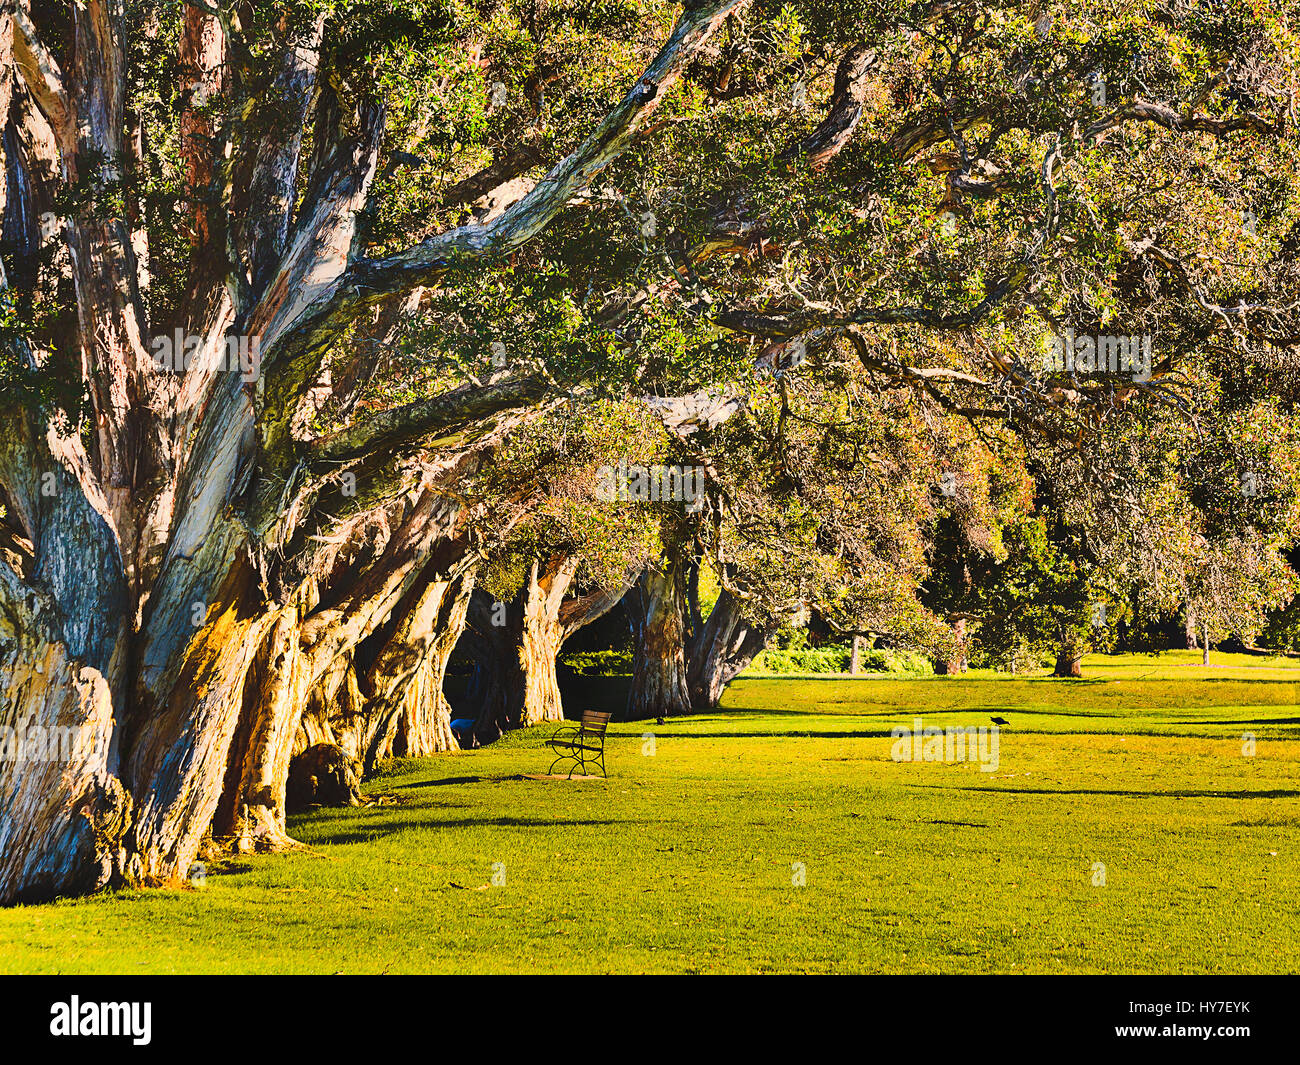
x=595, y=722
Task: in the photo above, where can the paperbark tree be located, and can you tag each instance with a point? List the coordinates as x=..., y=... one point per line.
x=187, y=561
x=515, y=683
x=719, y=650
x=179, y=589
x=659, y=682
x=384, y=699
x=407, y=676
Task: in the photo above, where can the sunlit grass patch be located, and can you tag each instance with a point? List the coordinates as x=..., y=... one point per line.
x=1124, y=830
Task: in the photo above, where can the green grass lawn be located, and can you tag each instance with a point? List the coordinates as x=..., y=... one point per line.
x=682, y=861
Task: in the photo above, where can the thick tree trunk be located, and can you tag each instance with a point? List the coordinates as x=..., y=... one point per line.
x=65, y=810
x=515, y=683
x=64, y=600
x=493, y=634
x=1069, y=657
x=1205, y=644
x=955, y=662
x=335, y=714
x=855, y=658
x=407, y=676
x=180, y=757
x=304, y=646
x=659, y=682
x=542, y=637
x=158, y=585
x=1068, y=664
x=723, y=647
x=274, y=694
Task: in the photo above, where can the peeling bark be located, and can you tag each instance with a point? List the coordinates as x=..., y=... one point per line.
x=58, y=759
x=407, y=676
x=659, y=682
x=543, y=634
x=274, y=694
x=724, y=646
x=515, y=683
x=186, y=590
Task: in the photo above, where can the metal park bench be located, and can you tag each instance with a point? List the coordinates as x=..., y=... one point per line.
x=583, y=743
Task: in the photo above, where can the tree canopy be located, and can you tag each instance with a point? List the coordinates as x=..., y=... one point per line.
x=317, y=314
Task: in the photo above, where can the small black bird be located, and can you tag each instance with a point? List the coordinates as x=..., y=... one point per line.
x=1000, y=721
x=659, y=721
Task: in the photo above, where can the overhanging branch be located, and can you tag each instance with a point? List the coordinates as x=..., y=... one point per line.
x=389, y=429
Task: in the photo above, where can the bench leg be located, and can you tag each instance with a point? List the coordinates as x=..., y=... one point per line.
x=551, y=772
x=582, y=762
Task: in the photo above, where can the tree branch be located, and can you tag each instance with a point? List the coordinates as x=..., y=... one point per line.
x=40, y=70
x=369, y=280
x=389, y=429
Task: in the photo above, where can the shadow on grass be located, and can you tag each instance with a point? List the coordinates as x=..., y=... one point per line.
x=1171, y=732
x=877, y=734
x=936, y=679
x=1032, y=711
x=971, y=682
x=490, y=779
x=913, y=711
x=891, y=711
x=731, y=711
x=369, y=836
x=1274, y=794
